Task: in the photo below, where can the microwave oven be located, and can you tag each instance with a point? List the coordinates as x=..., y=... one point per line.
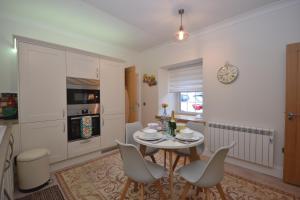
x=83, y=96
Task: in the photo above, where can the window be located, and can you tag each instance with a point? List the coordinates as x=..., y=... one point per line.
x=191, y=102
x=186, y=81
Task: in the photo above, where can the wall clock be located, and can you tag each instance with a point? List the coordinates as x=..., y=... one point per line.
x=227, y=74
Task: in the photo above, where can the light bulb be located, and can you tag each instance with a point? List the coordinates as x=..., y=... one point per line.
x=180, y=35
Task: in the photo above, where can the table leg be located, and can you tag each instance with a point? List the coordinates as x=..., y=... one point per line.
x=171, y=175
x=143, y=150
x=193, y=154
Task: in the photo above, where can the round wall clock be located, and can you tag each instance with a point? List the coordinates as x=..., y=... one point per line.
x=227, y=74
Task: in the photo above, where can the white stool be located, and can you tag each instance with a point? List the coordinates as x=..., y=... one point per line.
x=33, y=169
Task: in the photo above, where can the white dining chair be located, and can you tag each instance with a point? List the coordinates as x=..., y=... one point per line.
x=131, y=128
x=185, y=153
x=139, y=170
x=205, y=174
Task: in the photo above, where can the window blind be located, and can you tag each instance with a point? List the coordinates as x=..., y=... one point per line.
x=186, y=79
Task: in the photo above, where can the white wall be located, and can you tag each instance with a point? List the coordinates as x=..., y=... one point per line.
x=255, y=43
x=11, y=25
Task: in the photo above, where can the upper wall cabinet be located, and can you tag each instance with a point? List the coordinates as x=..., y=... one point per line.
x=112, y=87
x=42, y=83
x=82, y=66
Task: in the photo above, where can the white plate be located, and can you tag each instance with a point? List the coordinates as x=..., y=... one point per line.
x=195, y=137
x=144, y=136
x=149, y=130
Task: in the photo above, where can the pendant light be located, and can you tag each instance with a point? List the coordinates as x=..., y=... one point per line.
x=181, y=34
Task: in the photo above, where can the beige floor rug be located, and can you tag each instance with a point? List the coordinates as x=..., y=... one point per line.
x=103, y=179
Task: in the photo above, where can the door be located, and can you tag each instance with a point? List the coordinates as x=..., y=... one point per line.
x=112, y=128
x=112, y=87
x=51, y=135
x=131, y=97
x=291, y=172
x=42, y=83
x=82, y=66
x=150, y=103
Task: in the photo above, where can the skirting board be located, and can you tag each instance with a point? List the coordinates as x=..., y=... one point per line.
x=78, y=160
x=276, y=171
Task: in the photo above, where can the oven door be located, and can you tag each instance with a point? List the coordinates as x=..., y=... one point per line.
x=74, y=129
x=83, y=96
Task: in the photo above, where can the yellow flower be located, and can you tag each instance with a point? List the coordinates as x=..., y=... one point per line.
x=164, y=105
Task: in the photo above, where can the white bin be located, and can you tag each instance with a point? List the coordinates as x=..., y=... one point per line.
x=33, y=169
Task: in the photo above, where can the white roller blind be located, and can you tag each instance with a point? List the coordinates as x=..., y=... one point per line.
x=186, y=79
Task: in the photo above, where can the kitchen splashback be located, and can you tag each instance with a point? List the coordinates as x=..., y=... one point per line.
x=8, y=106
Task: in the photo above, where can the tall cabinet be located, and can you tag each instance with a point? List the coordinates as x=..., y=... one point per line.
x=42, y=99
x=43, y=72
x=112, y=93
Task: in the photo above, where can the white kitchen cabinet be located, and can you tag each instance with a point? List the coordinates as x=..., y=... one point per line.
x=80, y=147
x=112, y=87
x=112, y=128
x=51, y=135
x=82, y=66
x=42, y=83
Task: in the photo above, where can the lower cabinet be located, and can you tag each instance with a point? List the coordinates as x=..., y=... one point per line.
x=49, y=134
x=81, y=147
x=7, y=190
x=112, y=128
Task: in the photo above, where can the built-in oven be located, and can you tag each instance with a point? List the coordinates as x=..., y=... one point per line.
x=74, y=126
x=83, y=96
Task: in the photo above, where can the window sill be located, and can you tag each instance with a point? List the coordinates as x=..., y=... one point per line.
x=186, y=118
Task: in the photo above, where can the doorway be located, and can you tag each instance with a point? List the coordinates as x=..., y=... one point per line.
x=131, y=94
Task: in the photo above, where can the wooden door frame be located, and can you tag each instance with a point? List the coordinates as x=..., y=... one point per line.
x=134, y=95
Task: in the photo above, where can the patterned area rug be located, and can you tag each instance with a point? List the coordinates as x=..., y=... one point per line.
x=103, y=179
x=52, y=193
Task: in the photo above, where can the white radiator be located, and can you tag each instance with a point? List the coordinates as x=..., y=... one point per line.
x=251, y=144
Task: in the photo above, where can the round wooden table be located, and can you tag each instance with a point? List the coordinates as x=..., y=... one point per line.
x=170, y=144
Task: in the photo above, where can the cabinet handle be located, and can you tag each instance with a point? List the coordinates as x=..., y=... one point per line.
x=102, y=109
x=85, y=141
x=63, y=113
x=7, y=162
x=11, y=145
x=7, y=195
x=64, y=129
x=102, y=122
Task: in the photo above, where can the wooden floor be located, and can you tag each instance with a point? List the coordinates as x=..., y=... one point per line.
x=245, y=173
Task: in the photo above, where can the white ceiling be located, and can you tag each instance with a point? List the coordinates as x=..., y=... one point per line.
x=134, y=24
x=160, y=20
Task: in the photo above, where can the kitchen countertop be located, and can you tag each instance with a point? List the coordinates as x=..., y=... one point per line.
x=185, y=118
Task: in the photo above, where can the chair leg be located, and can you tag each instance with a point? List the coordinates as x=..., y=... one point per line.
x=142, y=191
x=222, y=194
x=123, y=194
x=184, y=160
x=153, y=158
x=185, y=190
x=136, y=187
x=206, y=192
x=176, y=161
x=160, y=189
x=165, y=158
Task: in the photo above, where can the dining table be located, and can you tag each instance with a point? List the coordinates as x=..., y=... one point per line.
x=170, y=144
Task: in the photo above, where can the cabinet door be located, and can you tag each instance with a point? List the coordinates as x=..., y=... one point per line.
x=51, y=135
x=112, y=128
x=85, y=146
x=112, y=87
x=82, y=66
x=42, y=83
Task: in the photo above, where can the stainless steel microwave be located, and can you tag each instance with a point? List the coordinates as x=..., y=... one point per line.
x=83, y=96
